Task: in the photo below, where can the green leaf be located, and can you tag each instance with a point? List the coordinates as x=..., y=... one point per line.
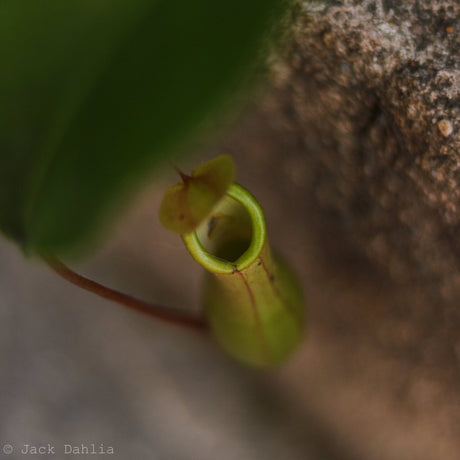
x=95, y=93
x=186, y=205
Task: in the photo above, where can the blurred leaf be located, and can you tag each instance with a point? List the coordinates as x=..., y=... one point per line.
x=186, y=205
x=94, y=93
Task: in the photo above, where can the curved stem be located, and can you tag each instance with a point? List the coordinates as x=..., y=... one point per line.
x=156, y=311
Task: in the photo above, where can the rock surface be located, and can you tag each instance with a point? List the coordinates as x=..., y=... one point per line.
x=361, y=141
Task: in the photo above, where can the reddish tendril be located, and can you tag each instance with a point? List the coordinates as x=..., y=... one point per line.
x=157, y=311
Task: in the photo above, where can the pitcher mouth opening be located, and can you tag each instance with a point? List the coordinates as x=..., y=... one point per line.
x=233, y=235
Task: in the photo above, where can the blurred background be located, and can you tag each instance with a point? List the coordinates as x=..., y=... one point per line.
x=78, y=369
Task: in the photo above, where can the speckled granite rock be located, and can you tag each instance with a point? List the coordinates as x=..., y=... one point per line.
x=359, y=144
x=376, y=86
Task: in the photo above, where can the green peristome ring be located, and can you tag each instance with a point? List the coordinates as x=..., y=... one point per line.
x=252, y=300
